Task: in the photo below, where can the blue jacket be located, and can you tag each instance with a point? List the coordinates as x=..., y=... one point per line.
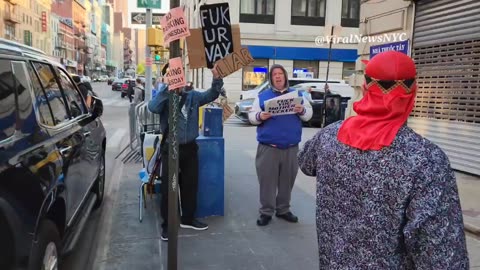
x=187, y=122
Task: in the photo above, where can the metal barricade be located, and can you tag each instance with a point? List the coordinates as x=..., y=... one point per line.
x=141, y=121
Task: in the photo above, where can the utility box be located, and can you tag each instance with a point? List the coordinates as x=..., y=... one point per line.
x=211, y=176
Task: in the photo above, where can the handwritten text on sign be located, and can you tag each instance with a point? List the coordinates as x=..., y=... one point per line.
x=175, y=75
x=234, y=62
x=282, y=106
x=217, y=32
x=174, y=25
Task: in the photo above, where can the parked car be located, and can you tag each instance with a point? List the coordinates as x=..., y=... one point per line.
x=118, y=83
x=52, y=159
x=86, y=79
x=303, y=84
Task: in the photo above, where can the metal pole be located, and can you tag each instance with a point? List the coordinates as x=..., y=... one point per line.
x=148, y=54
x=326, y=89
x=173, y=156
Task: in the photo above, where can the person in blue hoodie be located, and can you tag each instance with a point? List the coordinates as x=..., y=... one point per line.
x=187, y=132
x=278, y=137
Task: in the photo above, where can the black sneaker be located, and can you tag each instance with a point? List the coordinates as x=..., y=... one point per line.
x=195, y=225
x=289, y=216
x=164, y=235
x=263, y=220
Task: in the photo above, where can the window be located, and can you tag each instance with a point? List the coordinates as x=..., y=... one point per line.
x=74, y=99
x=350, y=13
x=348, y=70
x=26, y=121
x=7, y=101
x=53, y=93
x=308, y=12
x=305, y=69
x=257, y=11
x=255, y=74
x=9, y=30
x=42, y=107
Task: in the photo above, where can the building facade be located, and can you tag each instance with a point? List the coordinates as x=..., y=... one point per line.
x=284, y=32
x=107, y=38
x=444, y=41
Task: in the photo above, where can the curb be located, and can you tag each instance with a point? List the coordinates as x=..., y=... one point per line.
x=472, y=229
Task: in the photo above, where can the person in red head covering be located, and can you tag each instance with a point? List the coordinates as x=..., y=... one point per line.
x=387, y=198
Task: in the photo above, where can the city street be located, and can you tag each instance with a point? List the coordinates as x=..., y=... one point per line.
x=115, y=239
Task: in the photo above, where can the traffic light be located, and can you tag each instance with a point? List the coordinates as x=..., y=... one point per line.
x=157, y=56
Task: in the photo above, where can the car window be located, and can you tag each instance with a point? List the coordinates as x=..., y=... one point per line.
x=41, y=104
x=26, y=121
x=53, y=93
x=7, y=100
x=74, y=99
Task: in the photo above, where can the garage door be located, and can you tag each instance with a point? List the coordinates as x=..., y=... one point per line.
x=446, y=49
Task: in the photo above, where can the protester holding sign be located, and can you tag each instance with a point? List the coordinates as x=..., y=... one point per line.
x=187, y=126
x=278, y=137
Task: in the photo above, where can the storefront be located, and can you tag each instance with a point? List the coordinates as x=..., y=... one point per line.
x=305, y=69
x=446, y=50
x=254, y=74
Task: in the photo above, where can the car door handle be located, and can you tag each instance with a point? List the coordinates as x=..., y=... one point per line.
x=66, y=150
x=86, y=134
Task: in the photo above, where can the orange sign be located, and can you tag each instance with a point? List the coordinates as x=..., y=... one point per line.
x=174, y=25
x=44, y=21
x=175, y=75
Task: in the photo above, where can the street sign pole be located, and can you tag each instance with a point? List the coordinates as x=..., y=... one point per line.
x=173, y=156
x=148, y=55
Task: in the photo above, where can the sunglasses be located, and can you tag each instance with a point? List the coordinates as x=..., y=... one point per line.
x=388, y=86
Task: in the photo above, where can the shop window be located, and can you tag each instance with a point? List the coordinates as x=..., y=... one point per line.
x=348, y=70
x=257, y=11
x=255, y=74
x=305, y=69
x=308, y=12
x=350, y=13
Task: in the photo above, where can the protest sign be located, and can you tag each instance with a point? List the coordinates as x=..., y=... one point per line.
x=234, y=62
x=216, y=31
x=196, y=48
x=175, y=75
x=284, y=104
x=174, y=25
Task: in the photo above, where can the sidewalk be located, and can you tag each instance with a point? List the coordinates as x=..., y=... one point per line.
x=234, y=241
x=469, y=190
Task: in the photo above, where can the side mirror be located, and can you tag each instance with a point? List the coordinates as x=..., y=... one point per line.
x=96, y=107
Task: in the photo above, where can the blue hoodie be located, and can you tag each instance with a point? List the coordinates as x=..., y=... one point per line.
x=187, y=122
x=282, y=131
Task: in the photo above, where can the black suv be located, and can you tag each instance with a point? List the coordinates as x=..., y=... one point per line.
x=52, y=158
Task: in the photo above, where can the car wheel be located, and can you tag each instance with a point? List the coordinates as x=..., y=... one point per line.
x=45, y=253
x=99, y=187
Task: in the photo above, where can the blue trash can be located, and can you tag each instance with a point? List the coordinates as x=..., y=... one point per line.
x=211, y=174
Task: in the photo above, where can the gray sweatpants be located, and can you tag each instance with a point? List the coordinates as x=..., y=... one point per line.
x=276, y=171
